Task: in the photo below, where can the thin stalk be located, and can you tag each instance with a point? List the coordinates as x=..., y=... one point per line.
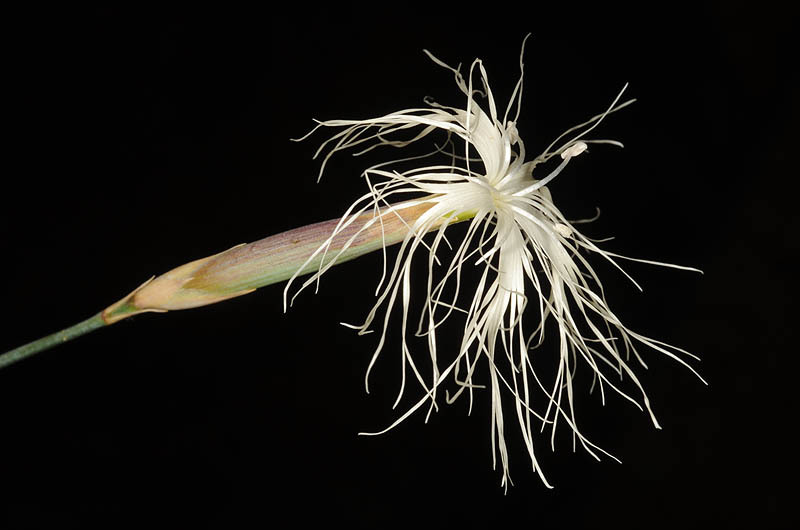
x=45, y=343
x=242, y=270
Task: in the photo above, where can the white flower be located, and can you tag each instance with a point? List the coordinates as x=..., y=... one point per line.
x=531, y=262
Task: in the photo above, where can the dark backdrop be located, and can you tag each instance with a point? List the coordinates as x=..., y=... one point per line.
x=137, y=140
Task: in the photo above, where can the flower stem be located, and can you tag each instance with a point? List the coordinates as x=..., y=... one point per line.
x=239, y=271
x=60, y=337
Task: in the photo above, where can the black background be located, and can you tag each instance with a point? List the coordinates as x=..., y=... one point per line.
x=137, y=140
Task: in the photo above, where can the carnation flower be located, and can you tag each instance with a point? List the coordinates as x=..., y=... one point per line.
x=530, y=273
x=531, y=261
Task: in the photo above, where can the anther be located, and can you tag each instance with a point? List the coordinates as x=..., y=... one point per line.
x=574, y=150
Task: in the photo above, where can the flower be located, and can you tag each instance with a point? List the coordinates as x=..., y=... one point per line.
x=530, y=258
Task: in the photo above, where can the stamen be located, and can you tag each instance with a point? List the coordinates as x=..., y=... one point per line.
x=567, y=155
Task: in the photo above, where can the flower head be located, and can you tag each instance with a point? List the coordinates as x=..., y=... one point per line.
x=531, y=262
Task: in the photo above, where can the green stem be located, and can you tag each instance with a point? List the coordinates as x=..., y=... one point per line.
x=60, y=337
x=245, y=268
